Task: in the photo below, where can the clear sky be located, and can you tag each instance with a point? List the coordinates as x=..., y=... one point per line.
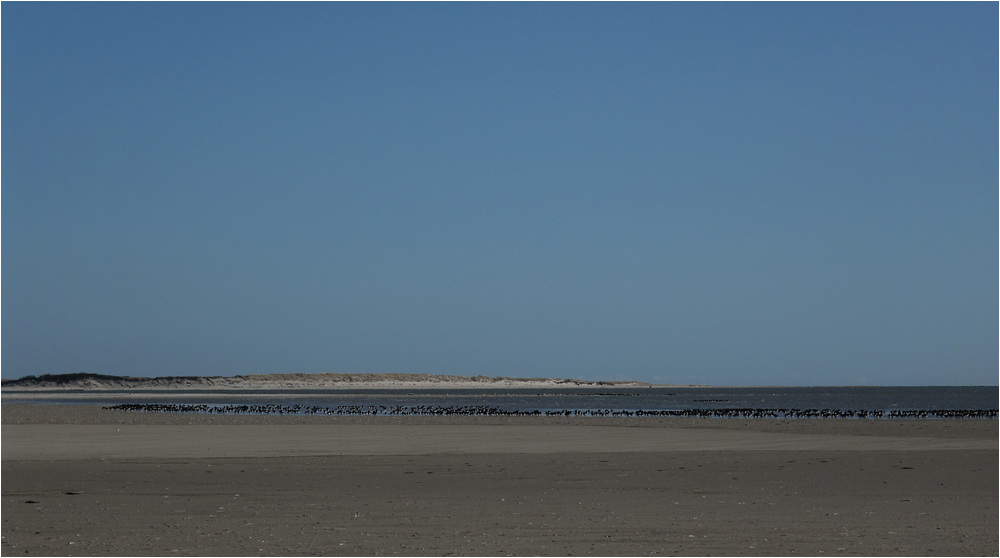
x=731, y=194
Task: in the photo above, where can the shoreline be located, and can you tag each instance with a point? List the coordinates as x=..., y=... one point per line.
x=13, y=414
x=282, y=388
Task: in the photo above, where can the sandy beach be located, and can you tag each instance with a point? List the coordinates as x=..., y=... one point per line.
x=79, y=480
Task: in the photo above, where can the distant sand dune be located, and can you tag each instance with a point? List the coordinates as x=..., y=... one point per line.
x=295, y=381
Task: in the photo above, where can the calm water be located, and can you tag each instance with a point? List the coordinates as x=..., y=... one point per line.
x=841, y=399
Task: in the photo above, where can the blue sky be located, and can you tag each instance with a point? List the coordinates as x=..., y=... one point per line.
x=730, y=194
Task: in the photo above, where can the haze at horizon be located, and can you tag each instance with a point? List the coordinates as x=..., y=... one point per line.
x=759, y=194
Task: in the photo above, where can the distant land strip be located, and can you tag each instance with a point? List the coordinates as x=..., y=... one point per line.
x=87, y=381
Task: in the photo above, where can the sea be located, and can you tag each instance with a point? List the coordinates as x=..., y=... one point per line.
x=925, y=402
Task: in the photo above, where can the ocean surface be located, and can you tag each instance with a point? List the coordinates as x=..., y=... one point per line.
x=781, y=402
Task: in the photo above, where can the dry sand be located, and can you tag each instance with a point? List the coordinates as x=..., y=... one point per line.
x=79, y=480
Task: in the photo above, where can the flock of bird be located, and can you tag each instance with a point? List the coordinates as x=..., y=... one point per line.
x=437, y=410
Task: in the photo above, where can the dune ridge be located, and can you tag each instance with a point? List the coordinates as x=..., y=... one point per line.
x=97, y=382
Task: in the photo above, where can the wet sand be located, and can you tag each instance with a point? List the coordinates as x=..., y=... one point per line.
x=78, y=480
